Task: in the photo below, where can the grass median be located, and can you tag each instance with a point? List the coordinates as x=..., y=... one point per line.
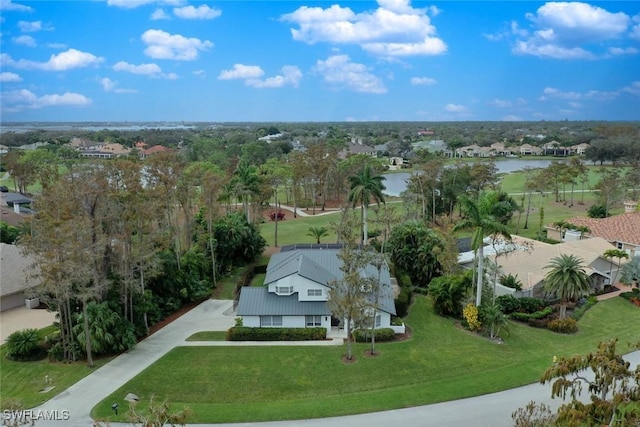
x=440, y=362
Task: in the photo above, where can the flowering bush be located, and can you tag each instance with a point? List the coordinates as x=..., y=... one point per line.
x=470, y=314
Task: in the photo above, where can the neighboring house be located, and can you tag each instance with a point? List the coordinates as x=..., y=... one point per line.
x=580, y=149
x=397, y=163
x=296, y=289
x=153, y=150
x=529, y=260
x=622, y=231
x=435, y=146
x=529, y=150
x=13, y=281
x=357, y=147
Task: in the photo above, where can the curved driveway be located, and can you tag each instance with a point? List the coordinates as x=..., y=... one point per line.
x=487, y=410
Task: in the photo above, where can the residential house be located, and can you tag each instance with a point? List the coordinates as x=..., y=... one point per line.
x=296, y=289
x=434, y=146
x=554, y=148
x=397, y=163
x=14, y=291
x=622, y=231
x=355, y=146
x=580, y=149
x=528, y=259
x=529, y=150
x=153, y=150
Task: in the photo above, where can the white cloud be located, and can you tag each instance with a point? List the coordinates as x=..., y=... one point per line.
x=633, y=88
x=200, y=73
x=159, y=14
x=616, y=51
x=501, y=103
x=511, y=118
x=30, y=27
x=423, y=81
x=63, y=61
x=109, y=85
x=291, y=76
x=132, y=4
x=144, y=69
x=162, y=45
x=19, y=100
x=455, y=108
x=6, y=5
x=200, y=12
x=241, y=71
x=571, y=96
x=566, y=30
x=635, y=33
x=25, y=41
x=151, y=70
x=340, y=72
x=551, y=50
x=7, y=77
x=395, y=28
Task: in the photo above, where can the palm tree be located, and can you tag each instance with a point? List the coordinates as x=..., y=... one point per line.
x=610, y=254
x=364, y=187
x=247, y=184
x=567, y=280
x=318, y=233
x=494, y=320
x=477, y=217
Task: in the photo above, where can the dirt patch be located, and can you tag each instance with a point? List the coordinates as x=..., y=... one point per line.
x=367, y=353
x=348, y=361
x=403, y=337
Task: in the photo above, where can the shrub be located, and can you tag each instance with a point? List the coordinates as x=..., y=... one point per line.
x=381, y=335
x=511, y=281
x=597, y=211
x=243, y=333
x=403, y=302
x=563, y=326
x=531, y=305
x=525, y=317
x=509, y=303
x=280, y=215
x=586, y=305
x=470, y=314
x=25, y=345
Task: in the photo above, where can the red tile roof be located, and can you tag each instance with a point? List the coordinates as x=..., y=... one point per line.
x=618, y=228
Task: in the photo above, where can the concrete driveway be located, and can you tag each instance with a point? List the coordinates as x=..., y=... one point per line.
x=492, y=410
x=20, y=318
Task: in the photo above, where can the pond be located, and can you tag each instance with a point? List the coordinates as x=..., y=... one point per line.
x=396, y=183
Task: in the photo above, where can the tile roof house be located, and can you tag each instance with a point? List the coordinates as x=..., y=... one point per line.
x=528, y=264
x=13, y=278
x=153, y=150
x=622, y=231
x=296, y=290
x=356, y=146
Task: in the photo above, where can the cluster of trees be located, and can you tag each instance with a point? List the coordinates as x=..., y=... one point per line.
x=119, y=245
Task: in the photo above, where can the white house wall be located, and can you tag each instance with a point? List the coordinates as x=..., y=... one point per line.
x=287, y=322
x=251, y=321
x=301, y=285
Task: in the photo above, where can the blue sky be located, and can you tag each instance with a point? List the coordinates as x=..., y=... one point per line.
x=391, y=60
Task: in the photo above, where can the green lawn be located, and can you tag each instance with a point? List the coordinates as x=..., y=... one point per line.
x=208, y=336
x=22, y=381
x=441, y=362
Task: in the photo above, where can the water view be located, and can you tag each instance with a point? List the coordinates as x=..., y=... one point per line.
x=396, y=183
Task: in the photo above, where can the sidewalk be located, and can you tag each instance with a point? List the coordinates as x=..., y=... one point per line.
x=622, y=288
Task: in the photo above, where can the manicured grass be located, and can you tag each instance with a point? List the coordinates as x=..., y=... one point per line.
x=22, y=381
x=440, y=362
x=295, y=230
x=208, y=336
x=258, y=279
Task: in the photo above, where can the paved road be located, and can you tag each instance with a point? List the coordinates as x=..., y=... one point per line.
x=488, y=410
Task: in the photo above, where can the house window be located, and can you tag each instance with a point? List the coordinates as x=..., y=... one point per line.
x=312, y=321
x=270, y=320
x=620, y=245
x=314, y=292
x=284, y=290
x=378, y=321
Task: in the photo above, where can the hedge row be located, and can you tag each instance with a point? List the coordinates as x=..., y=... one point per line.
x=381, y=335
x=532, y=316
x=580, y=311
x=243, y=333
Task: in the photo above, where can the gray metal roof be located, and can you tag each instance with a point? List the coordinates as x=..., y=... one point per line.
x=258, y=301
x=16, y=198
x=323, y=266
